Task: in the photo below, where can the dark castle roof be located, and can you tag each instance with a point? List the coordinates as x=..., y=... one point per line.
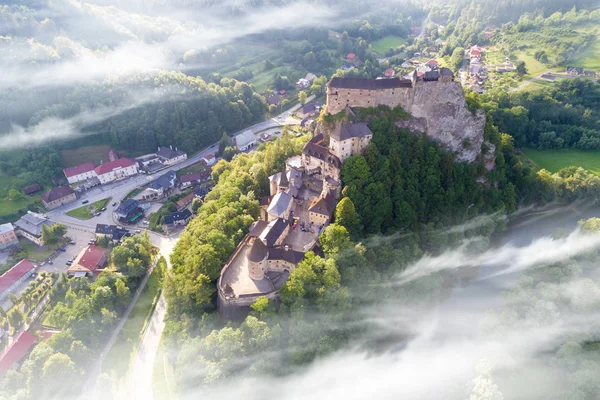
x=258, y=252
x=349, y=131
x=369, y=84
x=315, y=149
x=291, y=256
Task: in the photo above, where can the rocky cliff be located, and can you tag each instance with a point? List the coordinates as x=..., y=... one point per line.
x=440, y=111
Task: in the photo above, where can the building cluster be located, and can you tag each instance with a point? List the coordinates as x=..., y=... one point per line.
x=304, y=83
x=580, y=71
x=89, y=262
x=30, y=225
x=164, y=157
x=301, y=204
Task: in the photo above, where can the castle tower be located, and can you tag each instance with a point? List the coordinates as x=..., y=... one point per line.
x=257, y=260
x=284, y=183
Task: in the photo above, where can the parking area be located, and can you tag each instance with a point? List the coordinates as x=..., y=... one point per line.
x=59, y=263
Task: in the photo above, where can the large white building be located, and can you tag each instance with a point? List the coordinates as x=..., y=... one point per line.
x=80, y=173
x=114, y=170
x=245, y=140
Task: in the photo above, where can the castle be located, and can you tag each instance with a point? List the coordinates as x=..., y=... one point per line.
x=435, y=101
x=304, y=194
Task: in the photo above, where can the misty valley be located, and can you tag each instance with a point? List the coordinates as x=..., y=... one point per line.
x=294, y=199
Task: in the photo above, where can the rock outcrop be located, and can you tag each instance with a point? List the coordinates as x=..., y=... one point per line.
x=440, y=111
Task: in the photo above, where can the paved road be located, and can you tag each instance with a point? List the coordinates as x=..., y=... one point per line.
x=528, y=81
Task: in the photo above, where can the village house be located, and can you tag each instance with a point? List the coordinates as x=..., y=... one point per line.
x=185, y=201
x=179, y=218
x=245, y=140
x=129, y=211
x=389, y=73
x=351, y=57
x=115, y=170
x=88, y=262
x=32, y=189
x=113, y=232
x=58, y=196
x=80, y=172
x=210, y=159
x=193, y=178
x=574, y=71
x=16, y=351
x=8, y=236
x=159, y=188
x=12, y=278
x=348, y=139
x=170, y=156
x=149, y=162
x=29, y=226
x=309, y=110
x=303, y=83
x=475, y=52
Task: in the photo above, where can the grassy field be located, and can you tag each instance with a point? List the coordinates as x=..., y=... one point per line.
x=89, y=210
x=590, y=58
x=553, y=160
x=534, y=67
x=385, y=43
x=93, y=154
x=198, y=167
x=35, y=252
x=118, y=358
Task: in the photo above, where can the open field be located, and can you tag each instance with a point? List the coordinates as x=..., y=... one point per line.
x=590, y=58
x=534, y=67
x=89, y=210
x=126, y=344
x=385, y=43
x=81, y=155
x=198, y=167
x=553, y=160
x=35, y=252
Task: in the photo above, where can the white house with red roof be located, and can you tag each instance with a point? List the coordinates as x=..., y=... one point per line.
x=114, y=170
x=88, y=262
x=80, y=172
x=210, y=159
x=15, y=276
x=475, y=52
x=432, y=63
x=389, y=73
x=351, y=57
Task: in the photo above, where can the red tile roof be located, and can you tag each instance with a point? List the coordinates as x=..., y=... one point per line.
x=17, y=350
x=433, y=62
x=351, y=56
x=186, y=200
x=32, y=188
x=111, y=165
x=389, y=72
x=15, y=273
x=90, y=258
x=78, y=169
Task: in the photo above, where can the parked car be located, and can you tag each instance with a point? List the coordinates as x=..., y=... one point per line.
x=69, y=262
x=114, y=203
x=137, y=231
x=85, y=202
x=145, y=222
x=98, y=214
x=63, y=249
x=103, y=209
x=70, y=242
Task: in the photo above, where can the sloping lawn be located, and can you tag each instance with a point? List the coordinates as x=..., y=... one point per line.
x=534, y=67
x=89, y=210
x=93, y=154
x=385, y=43
x=553, y=160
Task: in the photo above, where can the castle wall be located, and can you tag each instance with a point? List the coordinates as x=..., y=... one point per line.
x=338, y=99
